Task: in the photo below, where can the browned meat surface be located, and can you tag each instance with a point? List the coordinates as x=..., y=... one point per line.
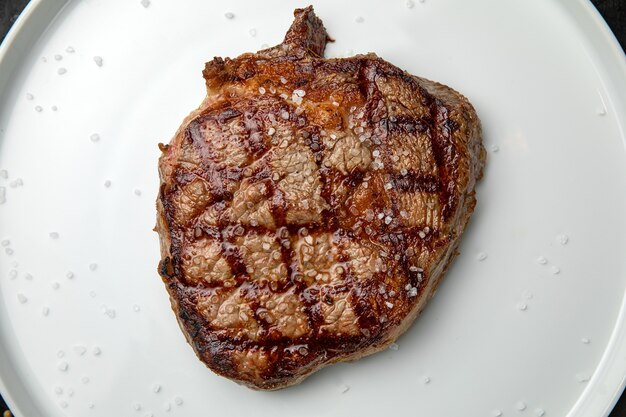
x=309, y=207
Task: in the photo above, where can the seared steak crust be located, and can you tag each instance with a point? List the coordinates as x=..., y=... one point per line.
x=309, y=207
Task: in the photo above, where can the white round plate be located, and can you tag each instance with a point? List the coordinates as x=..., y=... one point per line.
x=503, y=334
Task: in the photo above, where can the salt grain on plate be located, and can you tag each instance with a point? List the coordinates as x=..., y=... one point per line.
x=79, y=350
x=21, y=298
x=94, y=137
x=61, y=71
x=145, y=3
x=98, y=59
x=69, y=50
x=581, y=377
x=229, y=15
x=58, y=57
x=521, y=406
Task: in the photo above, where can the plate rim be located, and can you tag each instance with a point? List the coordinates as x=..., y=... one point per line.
x=604, y=402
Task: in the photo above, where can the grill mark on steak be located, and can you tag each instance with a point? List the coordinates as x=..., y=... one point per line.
x=289, y=323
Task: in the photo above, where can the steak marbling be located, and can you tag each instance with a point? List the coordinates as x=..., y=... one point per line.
x=309, y=207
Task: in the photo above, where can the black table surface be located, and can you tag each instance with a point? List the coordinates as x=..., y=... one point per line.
x=613, y=11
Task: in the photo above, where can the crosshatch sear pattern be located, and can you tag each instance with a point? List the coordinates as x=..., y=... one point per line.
x=309, y=207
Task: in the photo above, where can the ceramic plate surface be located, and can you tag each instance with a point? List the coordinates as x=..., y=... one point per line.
x=87, y=90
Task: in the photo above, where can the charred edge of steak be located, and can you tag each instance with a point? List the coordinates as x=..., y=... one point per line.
x=307, y=32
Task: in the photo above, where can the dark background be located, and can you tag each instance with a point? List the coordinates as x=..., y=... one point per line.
x=613, y=11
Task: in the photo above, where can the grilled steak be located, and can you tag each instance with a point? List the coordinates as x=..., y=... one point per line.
x=309, y=207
